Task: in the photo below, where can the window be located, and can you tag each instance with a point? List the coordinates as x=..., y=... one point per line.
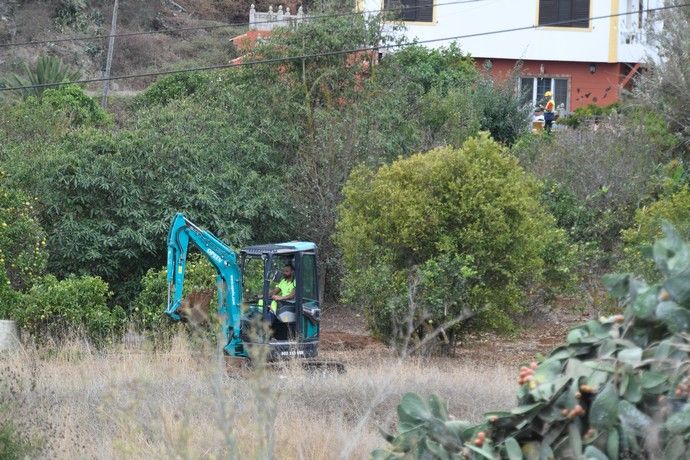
x=309, y=278
x=532, y=90
x=411, y=10
x=564, y=13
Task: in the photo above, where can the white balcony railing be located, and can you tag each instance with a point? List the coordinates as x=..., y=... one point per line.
x=271, y=19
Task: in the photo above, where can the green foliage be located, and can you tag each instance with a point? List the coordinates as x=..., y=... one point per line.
x=173, y=87
x=470, y=211
x=593, y=180
x=30, y=126
x=108, y=197
x=72, y=14
x=656, y=127
x=584, y=223
x=638, y=239
x=13, y=446
x=502, y=112
x=618, y=387
x=54, y=309
x=438, y=68
x=22, y=246
x=49, y=69
x=589, y=112
x=81, y=109
x=148, y=307
x=665, y=89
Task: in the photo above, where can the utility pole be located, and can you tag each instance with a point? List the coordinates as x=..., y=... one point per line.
x=109, y=58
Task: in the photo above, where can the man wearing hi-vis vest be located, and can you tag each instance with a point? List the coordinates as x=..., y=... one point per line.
x=549, y=111
x=286, y=286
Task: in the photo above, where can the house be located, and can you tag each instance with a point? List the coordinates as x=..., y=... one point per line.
x=575, y=48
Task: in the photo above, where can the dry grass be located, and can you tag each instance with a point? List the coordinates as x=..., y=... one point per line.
x=136, y=403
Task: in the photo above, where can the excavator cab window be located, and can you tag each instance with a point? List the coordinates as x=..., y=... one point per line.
x=252, y=281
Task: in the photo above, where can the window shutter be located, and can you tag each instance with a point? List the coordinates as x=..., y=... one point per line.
x=548, y=11
x=565, y=9
x=581, y=11
x=425, y=10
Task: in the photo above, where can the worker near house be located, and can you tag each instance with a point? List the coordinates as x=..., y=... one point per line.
x=549, y=111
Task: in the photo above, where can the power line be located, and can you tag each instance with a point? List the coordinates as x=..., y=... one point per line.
x=339, y=52
x=227, y=25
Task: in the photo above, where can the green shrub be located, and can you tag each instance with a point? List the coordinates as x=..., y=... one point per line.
x=591, y=111
x=173, y=87
x=594, y=180
x=439, y=68
x=618, y=387
x=76, y=105
x=53, y=310
x=22, y=246
x=13, y=446
x=108, y=197
x=638, y=239
x=502, y=112
x=148, y=307
x=470, y=212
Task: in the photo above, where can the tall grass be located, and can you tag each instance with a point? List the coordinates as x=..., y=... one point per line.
x=130, y=401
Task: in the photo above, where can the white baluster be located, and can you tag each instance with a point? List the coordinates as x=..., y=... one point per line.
x=252, y=17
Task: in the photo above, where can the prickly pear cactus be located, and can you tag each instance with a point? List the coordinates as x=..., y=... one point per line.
x=618, y=388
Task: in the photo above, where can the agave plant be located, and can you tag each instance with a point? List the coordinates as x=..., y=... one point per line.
x=49, y=69
x=618, y=388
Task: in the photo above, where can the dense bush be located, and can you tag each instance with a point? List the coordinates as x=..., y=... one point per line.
x=79, y=108
x=471, y=212
x=148, y=307
x=22, y=246
x=594, y=180
x=503, y=114
x=638, y=239
x=55, y=310
x=587, y=113
x=438, y=68
x=618, y=387
x=665, y=89
x=108, y=197
x=172, y=87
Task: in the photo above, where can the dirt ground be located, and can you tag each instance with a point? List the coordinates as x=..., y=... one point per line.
x=343, y=330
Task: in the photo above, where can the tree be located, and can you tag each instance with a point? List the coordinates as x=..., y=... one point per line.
x=617, y=388
x=666, y=85
x=468, y=216
x=107, y=197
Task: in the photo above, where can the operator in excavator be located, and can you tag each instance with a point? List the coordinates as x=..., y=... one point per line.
x=285, y=290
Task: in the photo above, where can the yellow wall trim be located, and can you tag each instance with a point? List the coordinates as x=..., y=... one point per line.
x=613, y=32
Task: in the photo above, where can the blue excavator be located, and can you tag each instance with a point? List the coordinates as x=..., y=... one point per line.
x=246, y=296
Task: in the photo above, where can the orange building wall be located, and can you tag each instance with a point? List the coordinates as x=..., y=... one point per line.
x=600, y=88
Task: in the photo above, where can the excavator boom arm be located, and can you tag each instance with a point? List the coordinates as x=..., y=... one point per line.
x=182, y=233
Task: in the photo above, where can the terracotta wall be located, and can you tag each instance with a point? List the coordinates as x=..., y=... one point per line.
x=600, y=87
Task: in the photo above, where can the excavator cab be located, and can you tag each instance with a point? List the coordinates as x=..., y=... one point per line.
x=293, y=324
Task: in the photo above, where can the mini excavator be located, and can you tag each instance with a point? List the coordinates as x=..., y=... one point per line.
x=244, y=286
